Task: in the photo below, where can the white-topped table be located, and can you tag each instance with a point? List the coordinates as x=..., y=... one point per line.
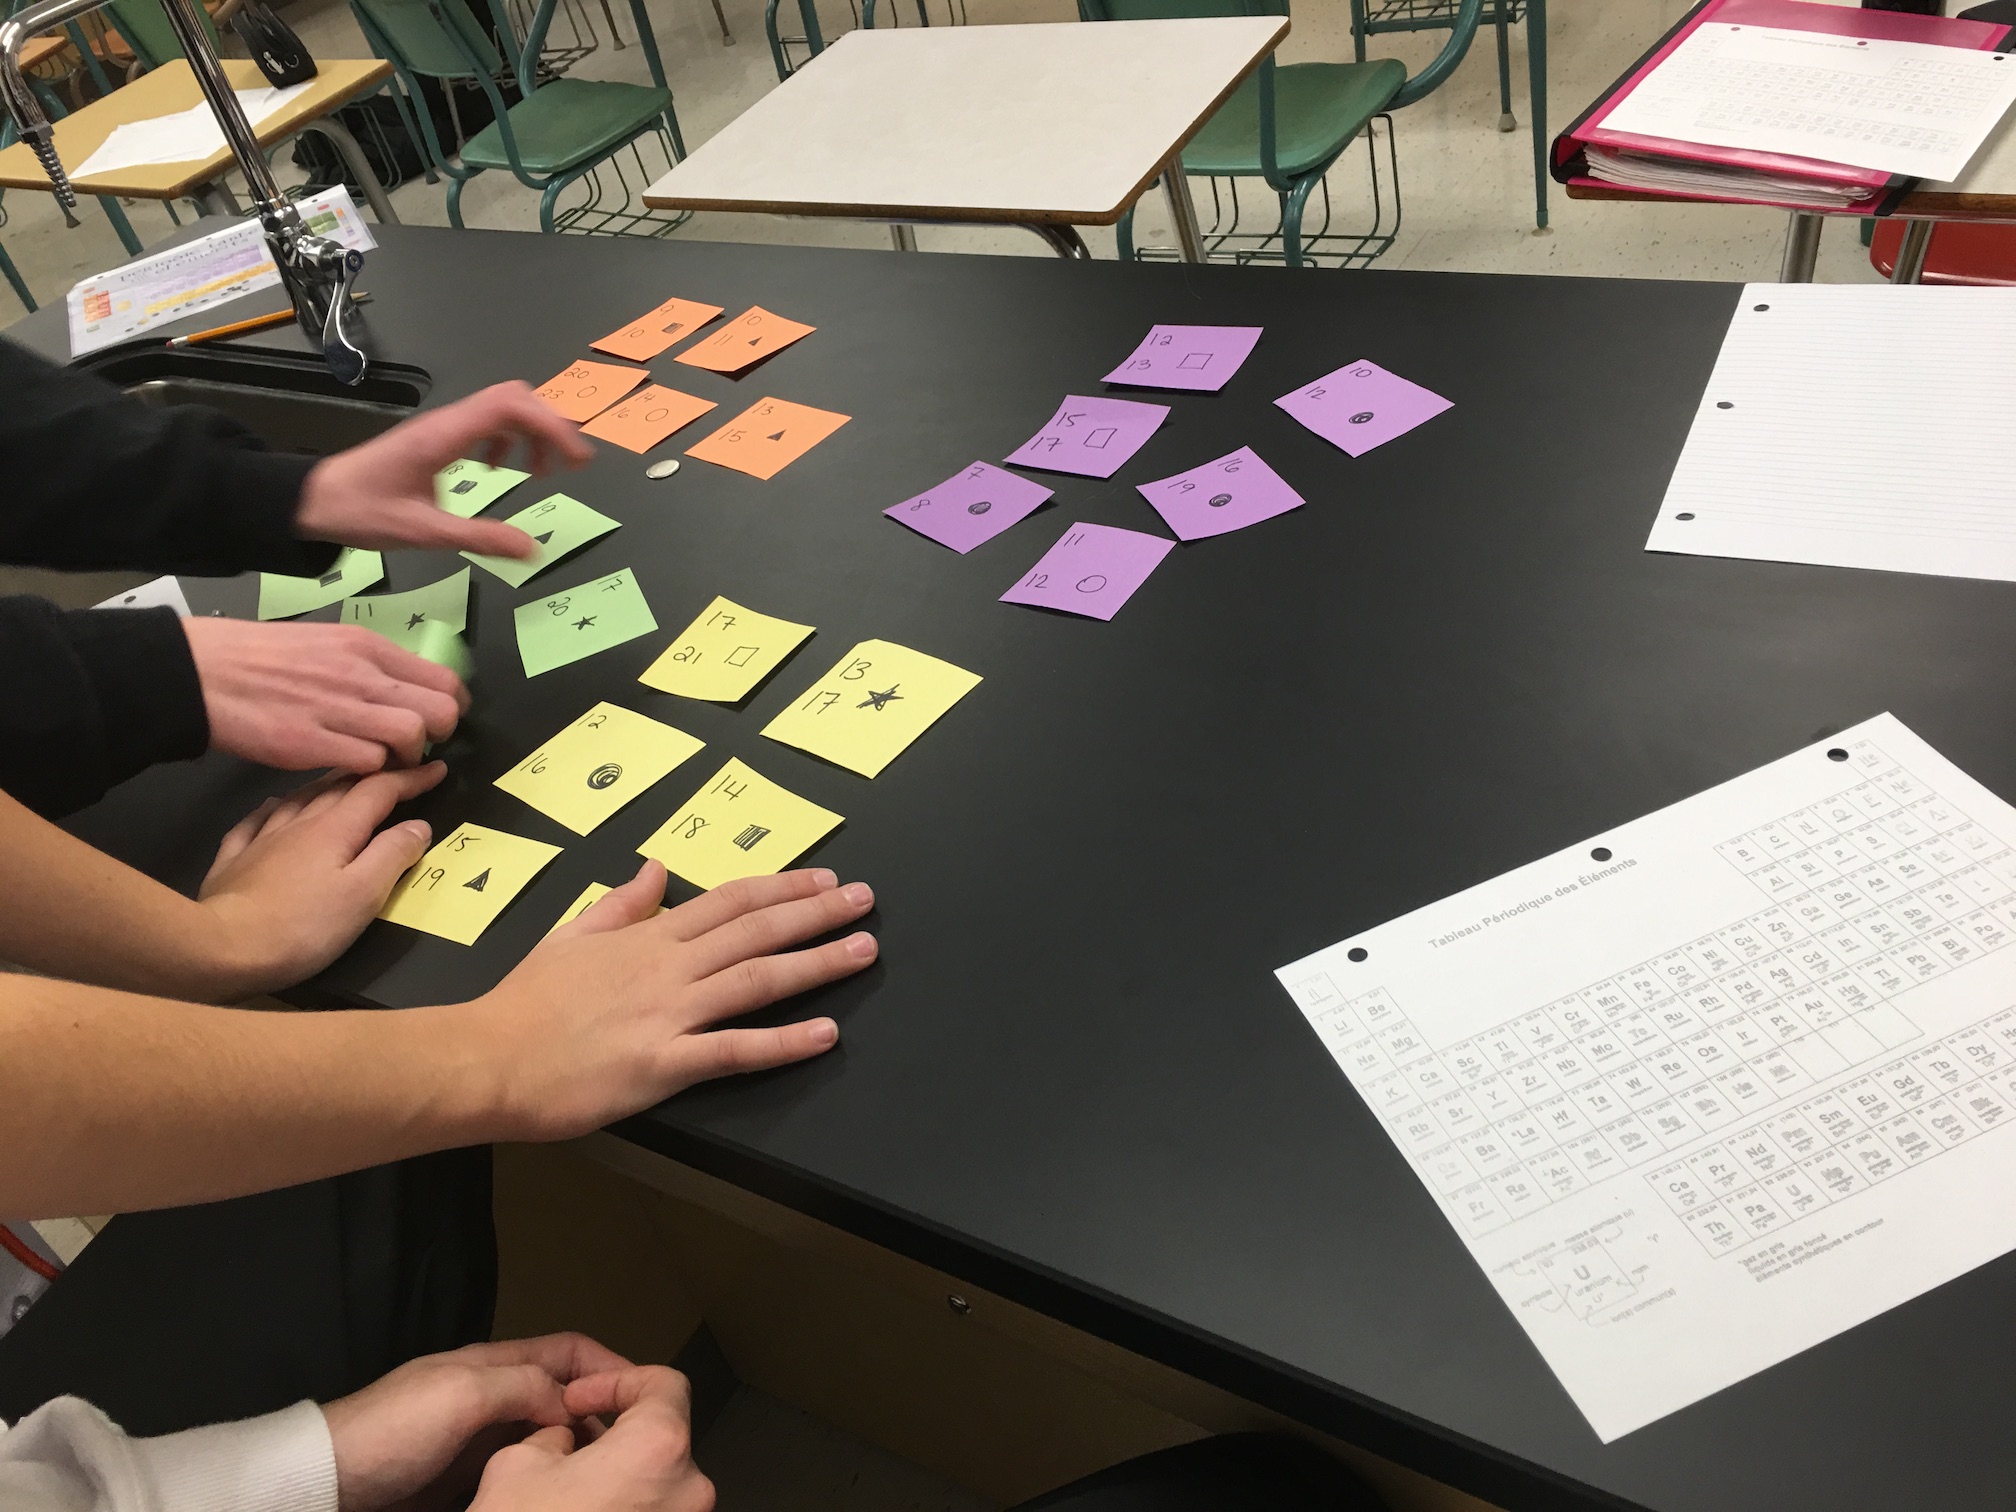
x=1047, y=127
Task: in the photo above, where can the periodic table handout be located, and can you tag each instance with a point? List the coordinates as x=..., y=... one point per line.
x=1709, y=1089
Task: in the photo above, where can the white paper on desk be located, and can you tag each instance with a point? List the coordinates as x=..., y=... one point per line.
x=163, y=592
x=1855, y=426
x=186, y=136
x=1912, y=108
x=1715, y=1086
x=113, y=306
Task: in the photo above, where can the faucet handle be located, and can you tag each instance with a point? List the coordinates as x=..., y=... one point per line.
x=345, y=358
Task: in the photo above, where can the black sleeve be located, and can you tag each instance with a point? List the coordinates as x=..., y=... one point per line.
x=96, y=479
x=89, y=697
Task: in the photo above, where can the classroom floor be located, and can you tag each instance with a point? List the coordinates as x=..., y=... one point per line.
x=1468, y=196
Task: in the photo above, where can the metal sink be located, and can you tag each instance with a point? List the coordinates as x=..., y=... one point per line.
x=290, y=403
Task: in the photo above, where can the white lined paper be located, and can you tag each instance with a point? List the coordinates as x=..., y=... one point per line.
x=1855, y=426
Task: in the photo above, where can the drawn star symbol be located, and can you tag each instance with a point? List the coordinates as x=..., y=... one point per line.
x=880, y=701
x=413, y=620
x=584, y=622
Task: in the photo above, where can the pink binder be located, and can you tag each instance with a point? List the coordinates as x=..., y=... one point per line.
x=1881, y=190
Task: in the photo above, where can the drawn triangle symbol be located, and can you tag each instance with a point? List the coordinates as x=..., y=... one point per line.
x=544, y=540
x=778, y=437
x=755, y=341
x=478, y=882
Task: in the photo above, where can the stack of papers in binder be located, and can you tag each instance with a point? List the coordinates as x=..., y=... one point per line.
x=1815, y=107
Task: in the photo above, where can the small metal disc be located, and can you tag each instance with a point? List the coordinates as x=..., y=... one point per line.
x=663, y=469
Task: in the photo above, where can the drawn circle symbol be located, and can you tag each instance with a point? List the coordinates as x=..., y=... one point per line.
x=656, y=415
x=1355, y=953
x=1837, y=754
x=588, y=391
x=604, y=776
x=1361, y=417
x=980, y=508
x=1601, y=853
x=1219, y=501
x=1093, y=583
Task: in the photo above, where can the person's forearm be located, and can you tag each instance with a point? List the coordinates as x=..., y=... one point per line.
x=111, y=1102
x=98, y=479
x=73, y=911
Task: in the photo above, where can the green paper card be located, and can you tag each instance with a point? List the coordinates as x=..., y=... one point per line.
x=468, y=488
x=560, y=525
x=403, y=618
x=352, y=572
x=578, y=622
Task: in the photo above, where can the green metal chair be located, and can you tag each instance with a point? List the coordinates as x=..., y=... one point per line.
x=561, y=129
x=144, y=25
x=1287, y=123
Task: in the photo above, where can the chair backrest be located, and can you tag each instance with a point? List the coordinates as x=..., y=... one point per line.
x=144, y=25
x=436, y=39
x=1176, y=10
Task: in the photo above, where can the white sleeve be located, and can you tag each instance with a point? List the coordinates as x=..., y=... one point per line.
x=67, y=1456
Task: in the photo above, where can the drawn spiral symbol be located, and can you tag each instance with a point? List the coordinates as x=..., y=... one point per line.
x=979, y=508
x=1361, y=417
x=1219, y=501
x=605, y=775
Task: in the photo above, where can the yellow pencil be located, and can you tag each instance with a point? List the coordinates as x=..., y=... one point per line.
x=240, y=327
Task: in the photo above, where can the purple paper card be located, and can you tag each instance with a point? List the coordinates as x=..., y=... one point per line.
x=1090, y=436
x=1187, y=357
x=1092, y=570
x=1228, y=494
x=971, y=506
x=1361, y=406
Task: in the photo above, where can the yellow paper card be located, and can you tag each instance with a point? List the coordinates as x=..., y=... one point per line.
x=724, y=653
x=596, y=765
x=458, y=887
x=738, y=825
x=590, y=896
x=876, y=700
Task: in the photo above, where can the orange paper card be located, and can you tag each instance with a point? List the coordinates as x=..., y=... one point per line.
x=650, y=334
x=749, y=337
x=768, y=436
x=646, y=418
x=588, y=388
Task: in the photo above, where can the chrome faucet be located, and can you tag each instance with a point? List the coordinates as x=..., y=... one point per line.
x=319, y=273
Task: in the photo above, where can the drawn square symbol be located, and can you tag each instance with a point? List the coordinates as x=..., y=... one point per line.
x=1195, y=360
x=1098, y=439
x=740, y=656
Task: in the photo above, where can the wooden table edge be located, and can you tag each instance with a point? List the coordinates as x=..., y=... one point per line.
x=212, y=167
x=941, y=215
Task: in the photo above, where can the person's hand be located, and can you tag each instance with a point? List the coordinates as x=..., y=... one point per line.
x=298, y=879
x=301, y=697
x=615, y=1012
x=381, y=494
x=415, y=1429
x=643, y=1462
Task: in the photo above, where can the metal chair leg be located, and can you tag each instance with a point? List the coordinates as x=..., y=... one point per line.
x=1910, y=266
x=13, y=276
x=1505, y=118
x=1123, y=237
x=727, y=37
x=120, y=224
x=455, y=203
x=1292, y=204
x=1802, y=247
x=1536, y=95
x=1358, y=30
